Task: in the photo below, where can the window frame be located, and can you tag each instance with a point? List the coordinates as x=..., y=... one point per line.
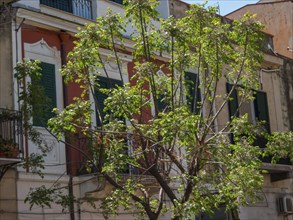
x=43, y=52
x=40, y=50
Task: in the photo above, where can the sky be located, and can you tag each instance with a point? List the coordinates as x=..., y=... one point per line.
x=226, y=6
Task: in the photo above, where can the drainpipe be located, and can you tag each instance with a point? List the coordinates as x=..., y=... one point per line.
x=16, y=29
x=64, y=37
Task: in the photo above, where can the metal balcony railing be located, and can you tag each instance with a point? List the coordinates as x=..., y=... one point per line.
x=10, y=134
x=82, y=8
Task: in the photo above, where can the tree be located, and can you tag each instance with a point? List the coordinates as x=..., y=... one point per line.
x=170, y=119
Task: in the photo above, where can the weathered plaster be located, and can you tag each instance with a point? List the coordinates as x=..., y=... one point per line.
x=277, y=16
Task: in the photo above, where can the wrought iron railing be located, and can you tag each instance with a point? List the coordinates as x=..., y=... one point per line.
x=10, y=133
x=82, y=8
x=81, y=166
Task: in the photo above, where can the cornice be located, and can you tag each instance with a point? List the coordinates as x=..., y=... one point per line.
x=51, y=21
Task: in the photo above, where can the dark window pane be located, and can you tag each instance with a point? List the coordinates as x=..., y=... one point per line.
x=261, y=109
x=233, y=103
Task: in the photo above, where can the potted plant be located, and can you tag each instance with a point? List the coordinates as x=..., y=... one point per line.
x=8, y=148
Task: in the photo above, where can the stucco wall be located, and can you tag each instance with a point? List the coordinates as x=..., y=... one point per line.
x=277, y=18
x=266, y=208
x=27, y=181
x=177, y=8
x=277, y=82
x=8, y=196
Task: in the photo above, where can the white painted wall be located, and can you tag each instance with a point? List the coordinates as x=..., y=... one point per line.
x=266, y=209
x=163, y=9
x=28, y=181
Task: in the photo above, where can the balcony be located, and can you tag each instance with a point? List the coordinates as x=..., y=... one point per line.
x=10, y=135
x=82, y=8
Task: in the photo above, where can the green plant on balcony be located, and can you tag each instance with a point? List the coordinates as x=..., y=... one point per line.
x=8, y=115
x=8, y=148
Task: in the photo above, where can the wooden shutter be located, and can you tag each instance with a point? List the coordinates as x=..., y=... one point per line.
x=192, y=94
x=48, y=82
x=261, y=109
x=233, y=103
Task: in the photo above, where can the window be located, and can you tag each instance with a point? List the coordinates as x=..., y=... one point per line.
x=257, y=110
x=101, y=97
x=52, y=80
x=261, y=109
x=48, y=82
x=193, y=96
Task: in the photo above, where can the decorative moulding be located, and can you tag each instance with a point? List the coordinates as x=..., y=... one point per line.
x=41, y=47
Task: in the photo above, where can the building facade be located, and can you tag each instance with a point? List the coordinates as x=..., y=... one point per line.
x=44, y=30
x=276, y=77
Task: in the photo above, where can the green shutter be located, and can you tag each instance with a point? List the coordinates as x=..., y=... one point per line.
x=193, y=97
x=233, y=103
x=48, y=82
x=261, y=109
x=101, y=97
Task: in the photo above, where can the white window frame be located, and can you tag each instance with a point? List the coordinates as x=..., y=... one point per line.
x=40, y=50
